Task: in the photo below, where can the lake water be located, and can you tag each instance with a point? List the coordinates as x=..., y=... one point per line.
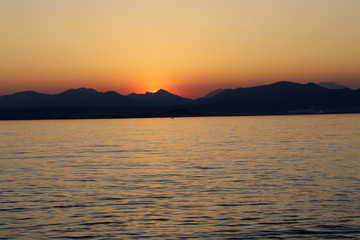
x=263, y=177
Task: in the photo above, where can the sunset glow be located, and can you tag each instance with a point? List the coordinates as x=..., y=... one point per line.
x=186, y=47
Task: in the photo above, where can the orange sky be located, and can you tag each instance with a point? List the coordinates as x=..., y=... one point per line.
x=187, y=47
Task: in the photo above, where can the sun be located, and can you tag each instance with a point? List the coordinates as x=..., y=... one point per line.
x=153, y=82
x=154, y=85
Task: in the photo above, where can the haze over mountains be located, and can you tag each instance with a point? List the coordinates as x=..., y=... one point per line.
x=278, y=98
x=331, y=85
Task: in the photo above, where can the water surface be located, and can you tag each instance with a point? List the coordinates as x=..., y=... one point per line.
x=265, y=177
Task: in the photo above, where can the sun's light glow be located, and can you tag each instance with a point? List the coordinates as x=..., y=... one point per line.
x=139, y=46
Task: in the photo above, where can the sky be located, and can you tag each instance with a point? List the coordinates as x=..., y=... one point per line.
x=188, y=47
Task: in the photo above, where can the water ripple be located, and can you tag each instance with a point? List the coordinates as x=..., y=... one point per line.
x=279, y=177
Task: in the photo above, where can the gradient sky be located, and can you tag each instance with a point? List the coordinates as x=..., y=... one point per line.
x=188, y=47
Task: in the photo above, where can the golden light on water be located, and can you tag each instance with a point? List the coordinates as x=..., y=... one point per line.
x=221, y=177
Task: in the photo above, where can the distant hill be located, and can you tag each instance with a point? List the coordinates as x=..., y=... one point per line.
x=331, y=85
x=27, y=99
x=212, y=94
x=160, y=98
x=70, y=98
x=278, y=98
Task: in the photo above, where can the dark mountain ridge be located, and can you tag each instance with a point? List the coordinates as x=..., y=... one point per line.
x=282, y=97
x=160, y=98
x=82, y=97
x=277, y=98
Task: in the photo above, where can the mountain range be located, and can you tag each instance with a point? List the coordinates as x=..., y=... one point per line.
x=160, y=98
x=277, y=98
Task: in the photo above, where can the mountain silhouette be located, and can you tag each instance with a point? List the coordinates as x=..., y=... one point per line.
x=277, y=98
x=27, y=99
x=281, y=97
x=70, y=98
x=91, y=97
x=160, y=98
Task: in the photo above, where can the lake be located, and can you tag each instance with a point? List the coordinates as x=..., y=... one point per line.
x=260, y=177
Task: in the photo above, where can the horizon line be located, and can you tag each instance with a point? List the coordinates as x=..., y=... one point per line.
x=153, y=92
